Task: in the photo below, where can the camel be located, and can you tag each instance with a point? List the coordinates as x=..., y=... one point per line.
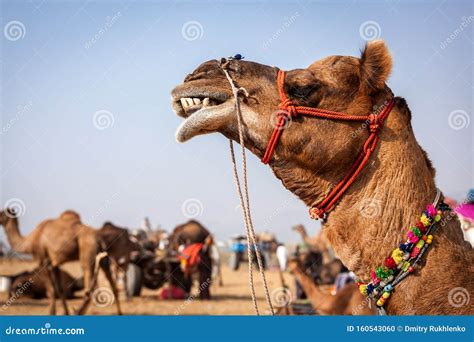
x=34, y=284
x=118, y=246
x=313, y=154
x=347, y=301
x=54, y=242
x=184, y=235
x=329, y=266
x=317, y=243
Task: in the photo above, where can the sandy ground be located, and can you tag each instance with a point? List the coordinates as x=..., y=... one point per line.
x=233, y=298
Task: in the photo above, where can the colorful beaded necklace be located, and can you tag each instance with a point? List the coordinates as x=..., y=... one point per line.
x=402, y=260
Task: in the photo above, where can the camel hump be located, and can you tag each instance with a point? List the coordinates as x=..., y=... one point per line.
x=70, y=215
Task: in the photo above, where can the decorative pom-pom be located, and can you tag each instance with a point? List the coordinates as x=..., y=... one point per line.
x=420, y=225
x=397, y=255
x=412, y=237
x=416, y=231
x=390, y=263
x=370, y=288
x=363, y=289
x=426, y=222
x=430, y=208
x=383, y=273
x=375, y=280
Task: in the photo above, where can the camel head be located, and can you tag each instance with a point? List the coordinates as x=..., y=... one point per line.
x=338, y=83
x=7, y=214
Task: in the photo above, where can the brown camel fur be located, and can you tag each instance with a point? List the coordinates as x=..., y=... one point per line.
x=347, y=301
x=314, y=154
x=54, y=242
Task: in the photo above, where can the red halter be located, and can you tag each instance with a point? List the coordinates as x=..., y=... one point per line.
x=287, y=111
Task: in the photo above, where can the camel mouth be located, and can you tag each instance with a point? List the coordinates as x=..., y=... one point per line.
x=204, y=111
x=186, y=106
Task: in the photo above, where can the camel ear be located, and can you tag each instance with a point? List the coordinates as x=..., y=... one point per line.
x=375, y=64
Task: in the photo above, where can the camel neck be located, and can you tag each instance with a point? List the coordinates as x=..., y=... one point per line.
x=17, y=241
x=390, y=195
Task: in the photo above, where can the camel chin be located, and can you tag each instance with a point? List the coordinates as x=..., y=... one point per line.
x=208, y=119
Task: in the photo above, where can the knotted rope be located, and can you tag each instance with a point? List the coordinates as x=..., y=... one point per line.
x=244, y=196
x=288, y=110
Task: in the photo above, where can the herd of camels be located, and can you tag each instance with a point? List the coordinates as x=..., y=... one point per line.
x=308, y=160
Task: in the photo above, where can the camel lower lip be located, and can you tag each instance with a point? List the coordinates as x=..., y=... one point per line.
x=203, y=121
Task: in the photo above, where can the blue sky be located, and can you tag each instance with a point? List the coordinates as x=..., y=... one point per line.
x=116, y=61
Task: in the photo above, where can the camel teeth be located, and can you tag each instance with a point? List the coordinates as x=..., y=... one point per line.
x=196, y=101
x=184, y=104
x=205, y=102
x=189, y=101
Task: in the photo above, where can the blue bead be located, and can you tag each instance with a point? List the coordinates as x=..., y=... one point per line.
x=388, y=288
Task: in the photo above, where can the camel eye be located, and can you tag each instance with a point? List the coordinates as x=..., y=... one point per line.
x=302, y=92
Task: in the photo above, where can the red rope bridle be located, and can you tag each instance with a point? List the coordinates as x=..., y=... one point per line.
x=287, y=111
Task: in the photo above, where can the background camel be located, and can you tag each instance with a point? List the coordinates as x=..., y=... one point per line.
x=313, y=154
x=34, y=284
x=118, y=246
x=347, y=301
x=192, y=232
x=318, y=245
x=54, y=242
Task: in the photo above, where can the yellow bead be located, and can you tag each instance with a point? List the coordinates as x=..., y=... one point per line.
x=420, y=243
x=363, y=289
x=386, y=295
x=380, y=302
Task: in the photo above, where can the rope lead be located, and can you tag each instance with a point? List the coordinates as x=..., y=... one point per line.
x=244, y=196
